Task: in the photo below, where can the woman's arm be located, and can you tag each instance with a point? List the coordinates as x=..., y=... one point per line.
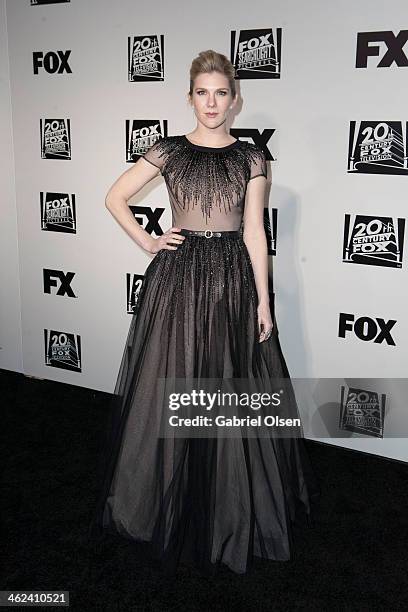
x=126, y=186
x=255, y=240
x=254, y=235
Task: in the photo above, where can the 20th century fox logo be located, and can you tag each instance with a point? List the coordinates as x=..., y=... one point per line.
x=373, y=240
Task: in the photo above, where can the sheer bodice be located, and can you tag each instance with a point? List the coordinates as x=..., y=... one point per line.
x=206, y=185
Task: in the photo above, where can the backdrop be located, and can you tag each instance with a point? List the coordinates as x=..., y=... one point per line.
x=88, y=87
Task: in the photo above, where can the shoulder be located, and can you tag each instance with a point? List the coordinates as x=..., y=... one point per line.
x=255, y=160
x=166, y=144
x=161, y=148
x=254, y=150
x=160, y=143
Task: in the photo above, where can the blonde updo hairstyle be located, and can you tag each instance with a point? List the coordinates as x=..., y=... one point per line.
x=211, y=61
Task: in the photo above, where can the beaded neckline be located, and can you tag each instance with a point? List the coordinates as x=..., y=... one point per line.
x=203, y=148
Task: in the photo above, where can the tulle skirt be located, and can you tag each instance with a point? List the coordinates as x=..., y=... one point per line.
x=200, y=501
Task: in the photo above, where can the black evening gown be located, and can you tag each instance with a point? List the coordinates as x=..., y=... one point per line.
x=201, y=501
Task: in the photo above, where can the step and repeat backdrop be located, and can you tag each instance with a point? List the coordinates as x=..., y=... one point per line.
x=322, y=90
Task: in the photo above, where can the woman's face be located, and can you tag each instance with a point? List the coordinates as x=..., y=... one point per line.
x=211, y=98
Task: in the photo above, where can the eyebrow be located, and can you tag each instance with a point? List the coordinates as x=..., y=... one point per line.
x=218, y=88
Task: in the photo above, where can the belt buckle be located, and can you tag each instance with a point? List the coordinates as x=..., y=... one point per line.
x=208, y=235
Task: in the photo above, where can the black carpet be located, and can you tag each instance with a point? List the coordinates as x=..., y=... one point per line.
x=354, y=558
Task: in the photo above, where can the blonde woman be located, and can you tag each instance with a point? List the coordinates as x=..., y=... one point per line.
x=203, y=312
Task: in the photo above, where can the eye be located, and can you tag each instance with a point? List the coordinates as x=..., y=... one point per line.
x=223, y=93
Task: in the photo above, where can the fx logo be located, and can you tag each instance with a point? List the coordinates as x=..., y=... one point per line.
x=57, y=278
x=153, y=218
x=51, y=61
x=394, y=52
x=366, y=329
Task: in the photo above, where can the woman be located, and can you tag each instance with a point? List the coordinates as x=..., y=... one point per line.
x=203, y=311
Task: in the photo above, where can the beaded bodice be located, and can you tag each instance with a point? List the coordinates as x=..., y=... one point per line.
x=206, y=185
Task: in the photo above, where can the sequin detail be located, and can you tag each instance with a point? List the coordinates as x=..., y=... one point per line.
x=208, y=178
x=207, y=271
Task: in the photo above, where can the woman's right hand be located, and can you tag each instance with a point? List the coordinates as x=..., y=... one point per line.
x=167, y=240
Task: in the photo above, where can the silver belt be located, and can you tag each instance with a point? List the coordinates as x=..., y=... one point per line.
x=208, y=233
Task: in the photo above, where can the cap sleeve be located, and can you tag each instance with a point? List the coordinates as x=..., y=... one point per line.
x=156, y=154
x=257, y=162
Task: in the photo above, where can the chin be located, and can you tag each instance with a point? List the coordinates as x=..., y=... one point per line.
x=212, y=123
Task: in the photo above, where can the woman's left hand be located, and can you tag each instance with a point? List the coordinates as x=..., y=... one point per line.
x=265, y=324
